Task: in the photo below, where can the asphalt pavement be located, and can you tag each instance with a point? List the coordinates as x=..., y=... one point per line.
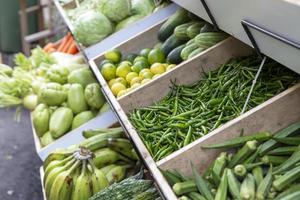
x=19, y=162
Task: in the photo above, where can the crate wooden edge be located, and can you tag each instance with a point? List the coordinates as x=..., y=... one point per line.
x=73, y=136
x=259, y=110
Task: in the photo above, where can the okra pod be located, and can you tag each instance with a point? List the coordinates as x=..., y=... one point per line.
x=274, y=160
x=287, y=178
x=218, y=167
x=289, y=140
x=282, y=151
x=223, y=187
x=240, y=141
x=295, y=158
x=233, y=185
x=292, y=196
x=184, y=198
x=240, y=170
x=248, y=188
x=243, y=153
x=196, y=196
x=292, y=189
x=171, y=178
x=184, y=187
x=264, y=187
x=258, y=174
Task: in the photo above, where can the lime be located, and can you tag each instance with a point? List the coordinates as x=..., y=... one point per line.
x=145, y=80
x=140, y=58
x=121, y=80
x=136, y=69
x=131, y=57
x=117, y=87
x=108, y=71
x=130, y=76
x=156, y=55
x=170, y=67
x=135, y=80
x=145, y=52
x=146, y=75
x=144, y=71
x=111, y=82
x=121, y=93
x=104, y=62
x=123, y=69
x=113, y=55
x=126, y=62
x=157, y=68
x=136, y=85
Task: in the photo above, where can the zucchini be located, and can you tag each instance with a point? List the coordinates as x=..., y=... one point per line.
x=265, y=185
x=248, y=188
x=174, y=56
x=234, y=185
x=282, y=151
x=186, y=51
x=193, y=30
x=180, y=31
x=196, y=52
x=171, y=43
x=289, y=131
x=239, y=141
x=178, y=18
x=209, y=39
x=243, y=153
x=289, y=177
x=184, y=187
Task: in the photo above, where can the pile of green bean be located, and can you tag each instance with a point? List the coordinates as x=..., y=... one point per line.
x=191, y=111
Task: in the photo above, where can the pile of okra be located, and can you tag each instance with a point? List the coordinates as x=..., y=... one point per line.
x=191, y=111
x=264, y=166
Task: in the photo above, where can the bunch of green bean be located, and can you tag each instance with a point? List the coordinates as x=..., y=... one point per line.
x=191, y=111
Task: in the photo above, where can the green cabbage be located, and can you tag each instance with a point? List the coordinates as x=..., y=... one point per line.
x=115, y=10
x=92, y=27
x=126, y=22
x=142, y=7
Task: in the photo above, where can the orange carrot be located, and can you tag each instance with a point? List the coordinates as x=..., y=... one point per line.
x=51, y=50
x=68, y=44
x=48, y=46
x=73, y=49
x=63, y=42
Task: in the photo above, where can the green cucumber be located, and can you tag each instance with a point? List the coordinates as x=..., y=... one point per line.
x=178, y=18
x=206, y=40
x=187, y=50
x=196, y=52
x=171, y=43
x=191, y=41
x=180, y=31
x=174, y=56
x=193, y=30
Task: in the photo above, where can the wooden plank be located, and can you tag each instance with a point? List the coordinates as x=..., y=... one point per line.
x=273, y=115
x=187, y=72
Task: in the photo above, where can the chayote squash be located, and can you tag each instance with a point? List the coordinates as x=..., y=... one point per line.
x=82, y=118
x=40, y=119
x=52, y=94
x=82, y=76
x=104, y=108
x=58, y=74
x=76, y=100
x=60, y=121
x=94, y=96
x=46, y=139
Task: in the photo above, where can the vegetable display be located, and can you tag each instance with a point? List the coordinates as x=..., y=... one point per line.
x=260, y=169
x=59, y=88
x=66, y=45
x=83, y=170
x=191, y=111
x=94, y=20
x=182, y=39
x=132, y=188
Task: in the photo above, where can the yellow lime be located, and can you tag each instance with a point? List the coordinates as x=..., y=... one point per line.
x=123, y=69
x=111, y=82
x=145, y=80
x=157, y=68
x=130, y=76
x=126, y=62
x=156, y=56
x=140, y=58
x=147, y=75
x=108, y=71
x=121, y=80
x=104, y=62
x=170, y=67
x=144, y=71
x=121, y=93
x=136, y=85
x=145, y=52
x=136, y=69
x=113, y=55
x=117, y=87
x=135, y=80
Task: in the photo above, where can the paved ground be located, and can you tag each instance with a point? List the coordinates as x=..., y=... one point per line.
x=19, y=163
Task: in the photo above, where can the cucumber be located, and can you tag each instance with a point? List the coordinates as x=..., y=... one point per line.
x=180, y=32
x=191, y=41
x=174, y=56
x=186, y=51
x=171, y=43
x=208, y=28
x=196, y=52
x=178, y=18
x=193, y=30
x=207, y=40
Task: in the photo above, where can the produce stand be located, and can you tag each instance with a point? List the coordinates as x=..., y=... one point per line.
x=104, y=120
x=267, y=116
